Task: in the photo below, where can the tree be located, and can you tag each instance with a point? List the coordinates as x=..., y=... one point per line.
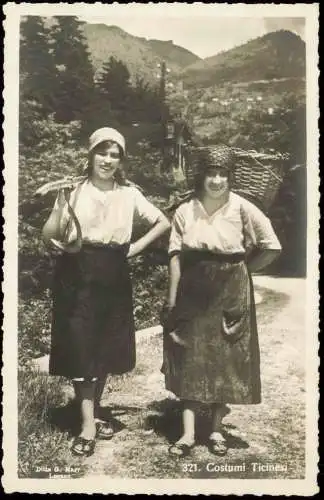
x=37, y=70
x=113, y=85
x=145, y=102
x=74, y=89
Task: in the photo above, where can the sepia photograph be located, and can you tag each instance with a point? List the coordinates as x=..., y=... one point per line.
x=161, y=218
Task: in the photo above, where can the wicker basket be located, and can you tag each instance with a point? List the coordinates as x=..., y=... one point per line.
x=257, y=176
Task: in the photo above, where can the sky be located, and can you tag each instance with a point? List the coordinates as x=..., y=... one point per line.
x=204, y=30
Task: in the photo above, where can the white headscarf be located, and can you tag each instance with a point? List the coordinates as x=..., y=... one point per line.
x=106, y=134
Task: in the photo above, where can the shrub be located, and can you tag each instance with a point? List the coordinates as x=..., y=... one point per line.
x=48, y=152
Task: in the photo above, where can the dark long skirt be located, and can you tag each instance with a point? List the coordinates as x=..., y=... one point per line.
x=93, y=330
x=215, y=316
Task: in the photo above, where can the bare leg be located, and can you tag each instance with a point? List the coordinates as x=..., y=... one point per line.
x=84, y=392
x=182, y=447
x=188, y=421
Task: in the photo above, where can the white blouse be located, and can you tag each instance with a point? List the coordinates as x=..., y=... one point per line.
x=107, y=216
x=236, y=227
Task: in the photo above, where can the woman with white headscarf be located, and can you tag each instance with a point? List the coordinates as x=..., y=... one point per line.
x=93, y=325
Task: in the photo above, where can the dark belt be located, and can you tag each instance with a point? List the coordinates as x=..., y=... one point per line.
x=99, y=249
x=194, y=256
x=123, y=248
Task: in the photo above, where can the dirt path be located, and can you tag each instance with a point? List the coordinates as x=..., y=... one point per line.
x=270, y=434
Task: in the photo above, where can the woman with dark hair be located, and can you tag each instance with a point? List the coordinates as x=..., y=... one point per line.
x=211, y=351
x=93, y=325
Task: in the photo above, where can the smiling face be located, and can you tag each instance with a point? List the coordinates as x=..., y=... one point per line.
x=216, y=182
x=105, y=161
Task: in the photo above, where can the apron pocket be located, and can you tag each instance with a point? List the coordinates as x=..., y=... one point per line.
x=234, y=323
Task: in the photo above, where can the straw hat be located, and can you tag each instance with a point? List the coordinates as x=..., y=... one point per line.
x=205, y=157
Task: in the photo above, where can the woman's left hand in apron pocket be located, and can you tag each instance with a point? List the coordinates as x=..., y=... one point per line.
x=234, y=324
x=177, y=340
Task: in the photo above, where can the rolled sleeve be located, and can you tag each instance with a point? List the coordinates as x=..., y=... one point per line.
x=144, y=209
x=176, y=235
x=258, y=229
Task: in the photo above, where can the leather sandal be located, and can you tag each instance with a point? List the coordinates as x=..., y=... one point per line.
x=180, y=449
x=104, y=430
x=217, y=444
x=83, y=447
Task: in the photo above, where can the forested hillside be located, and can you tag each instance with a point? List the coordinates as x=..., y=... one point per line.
x=140, y=55
x=276, y=55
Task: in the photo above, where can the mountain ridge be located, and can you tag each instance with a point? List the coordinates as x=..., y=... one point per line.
x=277, y=54
x=140, y=55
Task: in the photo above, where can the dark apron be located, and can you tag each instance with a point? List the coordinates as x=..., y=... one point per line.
x=93, y=330
x=215, y=316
